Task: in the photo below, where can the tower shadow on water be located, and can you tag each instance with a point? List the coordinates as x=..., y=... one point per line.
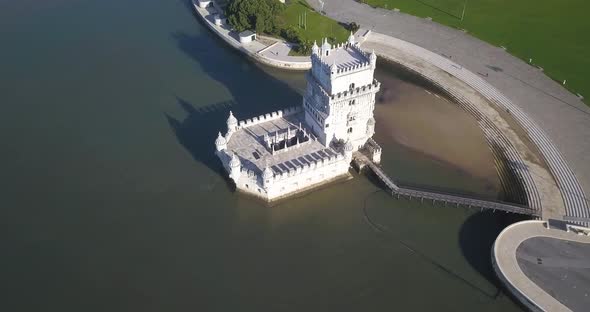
x=476, y=238
x=253, y=91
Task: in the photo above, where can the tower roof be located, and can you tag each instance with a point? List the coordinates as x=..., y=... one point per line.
x=326, y=45
x=346, y=56
x=235, y=161
x=267, y=173
x=348, y=146
x=314, y=48
x=220, y=140
x=231, y=120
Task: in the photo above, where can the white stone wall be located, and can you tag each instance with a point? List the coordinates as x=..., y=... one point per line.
x=344, y=111
x=341, y=82
x=303, y=179
x=289, y=183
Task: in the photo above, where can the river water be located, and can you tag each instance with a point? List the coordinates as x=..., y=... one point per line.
x=113, y=200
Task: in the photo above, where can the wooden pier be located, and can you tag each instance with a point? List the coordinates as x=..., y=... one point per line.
x=362, y=161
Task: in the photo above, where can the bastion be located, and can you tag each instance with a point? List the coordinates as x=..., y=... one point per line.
x=283, y=153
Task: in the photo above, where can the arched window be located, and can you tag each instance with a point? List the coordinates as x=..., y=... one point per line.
x=351, y=86
x=349, y=130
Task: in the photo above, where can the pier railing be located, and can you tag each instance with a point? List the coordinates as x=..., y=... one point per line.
x=458, y=200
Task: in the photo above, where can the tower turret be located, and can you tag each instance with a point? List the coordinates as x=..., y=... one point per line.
x=348, y=148
x=371, y=127
x=373, y=59
x=232, y=123
x=315, y=49
x=235, y=168
x=351, y=38
x=326, y=48
x=267, y=177
x=220, y=142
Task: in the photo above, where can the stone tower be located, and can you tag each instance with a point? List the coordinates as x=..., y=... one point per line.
x=340, y=96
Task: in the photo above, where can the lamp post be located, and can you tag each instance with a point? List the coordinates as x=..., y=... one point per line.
x=464, y=7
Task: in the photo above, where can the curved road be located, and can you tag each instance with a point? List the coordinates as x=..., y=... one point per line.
x=563, y=116
x=544, y=266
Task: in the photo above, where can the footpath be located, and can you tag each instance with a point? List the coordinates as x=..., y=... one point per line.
x=266, y=50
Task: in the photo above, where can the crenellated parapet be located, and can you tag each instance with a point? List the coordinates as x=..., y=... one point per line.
x=358, y=91
x=269, y=117
x=312, y=164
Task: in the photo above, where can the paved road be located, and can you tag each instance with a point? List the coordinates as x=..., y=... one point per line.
x=565, y=119
x=547, y=268
x=561, y=268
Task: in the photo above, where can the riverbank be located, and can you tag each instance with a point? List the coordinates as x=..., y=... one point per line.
x=274, y=54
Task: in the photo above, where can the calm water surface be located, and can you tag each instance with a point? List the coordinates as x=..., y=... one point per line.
x=112, y=199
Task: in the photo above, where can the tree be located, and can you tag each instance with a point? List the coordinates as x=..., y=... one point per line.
x=260, y=15
x=353, y=27
x=291, y=34
x=304, y=47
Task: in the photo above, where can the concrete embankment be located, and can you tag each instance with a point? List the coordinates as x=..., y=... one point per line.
x=544, y=266
x=274, y=54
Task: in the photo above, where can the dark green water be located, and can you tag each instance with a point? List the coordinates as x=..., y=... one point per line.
x=112, y=199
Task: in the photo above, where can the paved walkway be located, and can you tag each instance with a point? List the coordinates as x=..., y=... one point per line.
x=275, y=54
x=563, y=263
x=565, y=119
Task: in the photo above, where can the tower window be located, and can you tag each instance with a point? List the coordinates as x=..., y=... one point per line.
x=349, y=130
x=327, y=125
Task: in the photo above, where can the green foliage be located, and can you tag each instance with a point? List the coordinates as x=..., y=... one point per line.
x=354, y=27
x=317, y=26
x=304, y=47
x=290, y=34
x=260, y=15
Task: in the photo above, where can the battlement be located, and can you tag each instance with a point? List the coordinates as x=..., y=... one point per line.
x=295, y=168
x=269, y=116
x=343, y=59
x=372, y=87
x=298, y=168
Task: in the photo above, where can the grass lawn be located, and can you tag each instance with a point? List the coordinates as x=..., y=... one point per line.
x=551, y=32
x=318, y=26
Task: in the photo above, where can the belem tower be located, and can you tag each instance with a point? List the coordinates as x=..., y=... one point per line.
x=289, y=151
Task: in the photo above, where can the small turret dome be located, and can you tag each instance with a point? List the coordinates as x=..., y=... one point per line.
x=220, y=139
x=371, y=121
x=351, y=38
x=315, y=49
x=231, y=120
x=235, y=161
x=348, y=146
x=333, y=67
x=220, y=142
x=267, y=173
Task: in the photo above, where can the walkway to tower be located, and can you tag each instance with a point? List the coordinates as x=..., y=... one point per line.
x=362, y=161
